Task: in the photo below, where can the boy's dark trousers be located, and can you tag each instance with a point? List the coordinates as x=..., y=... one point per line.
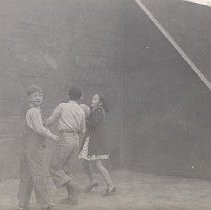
x=33, y=173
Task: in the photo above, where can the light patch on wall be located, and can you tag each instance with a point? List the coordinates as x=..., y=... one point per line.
x=203, y=2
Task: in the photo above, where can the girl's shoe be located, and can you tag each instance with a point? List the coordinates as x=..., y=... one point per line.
x=110, y=191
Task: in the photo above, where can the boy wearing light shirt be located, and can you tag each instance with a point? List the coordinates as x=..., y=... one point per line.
x=71, y=124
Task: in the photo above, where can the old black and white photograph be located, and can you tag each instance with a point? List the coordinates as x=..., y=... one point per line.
x=105, y=104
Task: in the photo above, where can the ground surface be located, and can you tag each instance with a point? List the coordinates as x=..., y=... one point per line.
x=136, y=191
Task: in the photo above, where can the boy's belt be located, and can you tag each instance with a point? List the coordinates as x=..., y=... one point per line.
x=69, y=131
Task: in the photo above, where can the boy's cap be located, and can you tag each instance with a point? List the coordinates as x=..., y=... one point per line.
x=32, y=89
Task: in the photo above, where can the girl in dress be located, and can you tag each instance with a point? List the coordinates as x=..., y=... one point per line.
x=95, y=146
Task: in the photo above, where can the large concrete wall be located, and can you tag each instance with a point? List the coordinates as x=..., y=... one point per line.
x=159, y=110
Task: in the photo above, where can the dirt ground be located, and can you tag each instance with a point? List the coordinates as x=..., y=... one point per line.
x=135, y=191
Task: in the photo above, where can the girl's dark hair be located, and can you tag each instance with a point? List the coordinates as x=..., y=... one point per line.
x=104, y=102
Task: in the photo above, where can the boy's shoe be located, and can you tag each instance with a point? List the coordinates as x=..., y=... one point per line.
x=22, y=208
x=110, y=191
x=91, y=186
x=72, y=197
x=72, y=189
x=48, y=208
x=70, y=200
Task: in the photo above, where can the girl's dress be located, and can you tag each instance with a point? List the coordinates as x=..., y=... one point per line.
x=95, y=146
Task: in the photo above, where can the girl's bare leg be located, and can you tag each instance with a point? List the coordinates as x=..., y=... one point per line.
x=104, y=173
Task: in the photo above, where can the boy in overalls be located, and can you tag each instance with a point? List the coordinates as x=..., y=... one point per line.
x=71, y=125
x=32, y=165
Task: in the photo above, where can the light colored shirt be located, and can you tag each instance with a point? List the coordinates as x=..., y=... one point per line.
x=34, y=121
x=70, y=117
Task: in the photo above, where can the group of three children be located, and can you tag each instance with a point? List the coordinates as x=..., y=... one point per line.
x=77, y=125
